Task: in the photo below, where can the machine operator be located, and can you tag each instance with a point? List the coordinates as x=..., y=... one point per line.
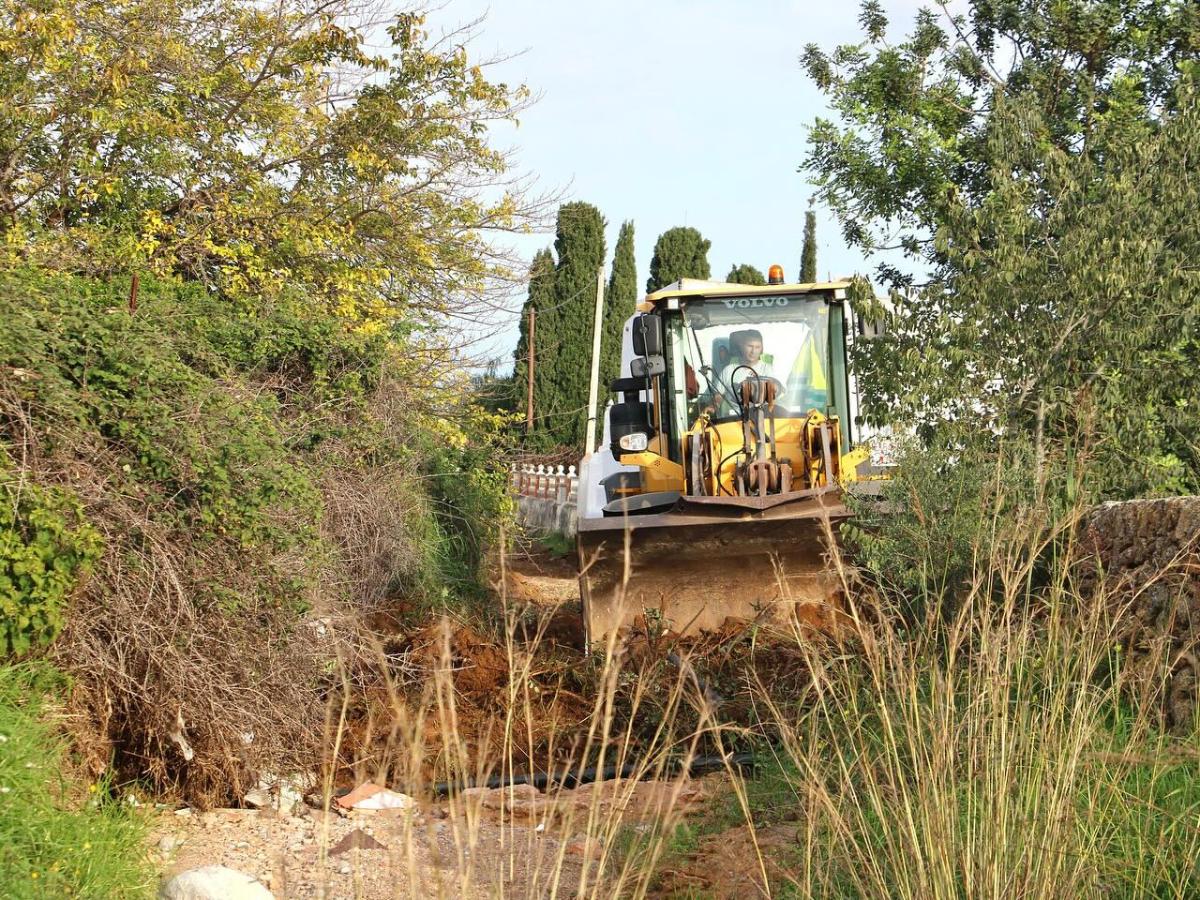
x=747, y=355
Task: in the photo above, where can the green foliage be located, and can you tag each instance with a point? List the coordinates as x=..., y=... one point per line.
x=54, y=844
x=1039, y=164
x=745, y=273
x=947, y=509
x=499, y=394
x=808, y=259
x=565, y=345
x=680, y=252
x=917, y=115
x=105, y=378
x=1065, y=308
x=1147, y=803
x=557, y=544
x=263, y=155
x=620, y=302
x=46, y=548
x=465, y=465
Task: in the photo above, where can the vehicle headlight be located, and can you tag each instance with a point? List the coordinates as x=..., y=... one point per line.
x=634, y=443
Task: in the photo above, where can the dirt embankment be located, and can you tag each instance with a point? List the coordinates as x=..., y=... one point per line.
x=530, y=699
x=1142, y=558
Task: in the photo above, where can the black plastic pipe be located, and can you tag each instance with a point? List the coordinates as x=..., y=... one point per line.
x=569, y=779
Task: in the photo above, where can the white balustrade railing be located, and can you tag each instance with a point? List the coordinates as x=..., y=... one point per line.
x=544, y=482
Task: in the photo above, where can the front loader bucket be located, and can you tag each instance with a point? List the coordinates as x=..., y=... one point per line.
x=698, y=565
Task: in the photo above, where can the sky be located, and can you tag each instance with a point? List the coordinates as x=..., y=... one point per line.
x=671, y=112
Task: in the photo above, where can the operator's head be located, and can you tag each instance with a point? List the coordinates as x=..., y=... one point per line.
x=749, y=345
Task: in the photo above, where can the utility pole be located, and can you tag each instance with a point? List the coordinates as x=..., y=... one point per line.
x=531, y=342
x=595, y=379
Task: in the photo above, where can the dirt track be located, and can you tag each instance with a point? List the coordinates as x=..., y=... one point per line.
x=504, y=842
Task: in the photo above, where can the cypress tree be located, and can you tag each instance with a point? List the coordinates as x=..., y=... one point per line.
x=620, y=302
x=745, y=273
x=680, y=252
x=579, y=246
x=808, y=261
x=540, y=298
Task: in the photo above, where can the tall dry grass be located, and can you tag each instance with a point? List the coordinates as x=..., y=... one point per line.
x=597, y=839
x=994, y=750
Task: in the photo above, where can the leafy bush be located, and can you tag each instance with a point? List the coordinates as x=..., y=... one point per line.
x=54, y=844
x=470, y=489
x=243, y=469
x=948, y=508
x=46, y=547
x=103, y=377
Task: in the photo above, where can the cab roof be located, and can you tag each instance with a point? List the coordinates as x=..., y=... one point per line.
x=695, y=287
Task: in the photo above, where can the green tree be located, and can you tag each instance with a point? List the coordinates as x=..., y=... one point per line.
x=263, y=153
x=1030, y=158
x=680, y=252
x=539, y=299
x=744, y=273
x=1065, y=309
x=620, y=302
x=564, y=349
x=808, y=260
x=916, y=116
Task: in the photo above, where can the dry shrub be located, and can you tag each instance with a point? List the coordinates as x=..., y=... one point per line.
x=261, y=509
x=173, y=684
x=372, y=524
x=191, y=670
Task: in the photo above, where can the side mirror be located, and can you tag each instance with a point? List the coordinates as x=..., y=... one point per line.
x=648, y=366
x=647, y=335
x=648, y=345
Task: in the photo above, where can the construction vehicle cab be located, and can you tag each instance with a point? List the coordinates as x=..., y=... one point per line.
x=726, y=451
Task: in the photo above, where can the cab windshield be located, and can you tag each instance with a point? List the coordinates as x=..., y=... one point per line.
x=726, y=340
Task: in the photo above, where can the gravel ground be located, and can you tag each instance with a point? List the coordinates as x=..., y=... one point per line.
x=515, y=843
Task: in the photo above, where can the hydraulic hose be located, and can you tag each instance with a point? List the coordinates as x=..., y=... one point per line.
x=541, y=780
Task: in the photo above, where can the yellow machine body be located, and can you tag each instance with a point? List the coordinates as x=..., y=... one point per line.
x=735, y=503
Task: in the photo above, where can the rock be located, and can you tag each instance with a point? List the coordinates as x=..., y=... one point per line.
x=519, y=799
x=168, y=843
x=474, y=794
x=283, y=793
x=213, y=883
x=356, y=840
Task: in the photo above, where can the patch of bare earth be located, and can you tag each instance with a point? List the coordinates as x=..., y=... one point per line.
x=737, y=863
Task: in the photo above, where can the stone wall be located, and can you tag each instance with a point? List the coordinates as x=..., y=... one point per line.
x=1142, y=557
x=541, y=515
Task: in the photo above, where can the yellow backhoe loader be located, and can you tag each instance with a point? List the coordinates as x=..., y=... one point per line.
x=726, y=454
